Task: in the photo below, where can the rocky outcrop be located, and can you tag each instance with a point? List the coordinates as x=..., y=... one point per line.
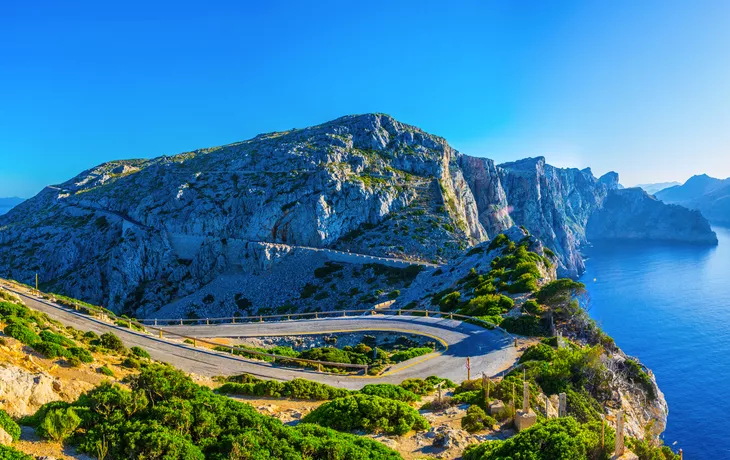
x=633, y=214
x=555, y=205
x=484, y=181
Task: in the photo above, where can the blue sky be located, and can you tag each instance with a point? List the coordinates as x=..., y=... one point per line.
x=642, y=88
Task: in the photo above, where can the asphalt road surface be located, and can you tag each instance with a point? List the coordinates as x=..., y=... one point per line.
x=490, y=351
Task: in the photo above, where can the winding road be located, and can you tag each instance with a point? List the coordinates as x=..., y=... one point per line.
x=491, y=351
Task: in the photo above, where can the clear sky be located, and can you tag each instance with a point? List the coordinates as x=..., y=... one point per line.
x=640, y=87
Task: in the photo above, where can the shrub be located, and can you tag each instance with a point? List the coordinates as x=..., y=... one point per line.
x=58, y=424
x=539, y=352
x=386, y=390
x=73, y=361
x=490, y=304
x=9, y=425
x=477, y=420
x=637, y=375
x=21, y=333
x=81, y=354
x=434, y=380
x=369, y=413
x=8, y=453
x=450, y=302
x=51, y=350
x=131, y=363
x=297, y=389
x=530, y=306
x=111, y=342
x=525, y=283
x=556, y=439
x=418, y=386
x=410, y=353
x=105, y=371
x=48, y=336
x=527, y=325
x=140, y=352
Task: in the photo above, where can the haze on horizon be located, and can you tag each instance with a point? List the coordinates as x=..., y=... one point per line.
x=636, y=87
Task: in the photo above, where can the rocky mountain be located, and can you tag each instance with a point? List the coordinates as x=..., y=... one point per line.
x=6, y=204
x=707, y=194
x=651, y=189
x=632, y=214
x=134, y=235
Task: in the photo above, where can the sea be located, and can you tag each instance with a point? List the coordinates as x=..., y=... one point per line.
x=669, y=305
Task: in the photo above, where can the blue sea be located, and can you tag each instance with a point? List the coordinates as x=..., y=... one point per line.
x=669, y=305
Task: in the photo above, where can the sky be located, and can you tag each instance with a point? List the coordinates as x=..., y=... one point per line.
x=641, y=88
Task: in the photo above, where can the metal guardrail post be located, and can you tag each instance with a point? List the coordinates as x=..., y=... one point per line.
x=160, y=333
x=399, y=312
x=451, y=316
x=261, y=319
x=155, y=321
x=207, y=322
x=426, y=313
x=316, y=315
x=194, y=343
x=233, y=319
x=181, y=322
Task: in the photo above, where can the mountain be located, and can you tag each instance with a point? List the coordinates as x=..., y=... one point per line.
x=651, y=189
x=272, y=222
x=634, y=214
x=6, y=204
x=707, y=194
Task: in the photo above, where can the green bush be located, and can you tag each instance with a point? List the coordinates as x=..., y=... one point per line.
x=111, y=342
x=555, y=439
x=410, y=353
x=527, y=325
x=418, y=386
x=81, y=354
x=296, y=389
x=105, y=371
x=645, y=451
x=450, y=302
x=434, y=380
x=386, y=390
x=531, y=307
x=9, y=425
x=488, y=305
x=8, y=453
x=48, y=336
x=477, y=420
x=59, y=424
x=369, y=413
x=140, y=352
x=51, y=350
x=539, y=352
x=637, y=375
x=21, y=333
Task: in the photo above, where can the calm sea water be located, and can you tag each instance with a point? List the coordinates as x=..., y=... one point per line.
x=669, y=305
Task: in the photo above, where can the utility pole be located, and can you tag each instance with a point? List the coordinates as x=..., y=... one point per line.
x=36, y=285
x=468, y=368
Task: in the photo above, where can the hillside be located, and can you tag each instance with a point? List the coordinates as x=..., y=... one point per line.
x=252, y=221
x=706, y=194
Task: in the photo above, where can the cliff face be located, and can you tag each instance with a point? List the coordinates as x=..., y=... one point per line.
x=555, y=204
x=633, y=214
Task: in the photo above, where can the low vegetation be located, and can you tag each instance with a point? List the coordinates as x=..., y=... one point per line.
x=166, y=415
x=370, y=413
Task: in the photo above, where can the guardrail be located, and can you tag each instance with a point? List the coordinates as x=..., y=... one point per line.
x=143, y=325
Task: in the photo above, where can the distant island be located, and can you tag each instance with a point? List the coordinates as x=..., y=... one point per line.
x=6, y=204
x=706, y=194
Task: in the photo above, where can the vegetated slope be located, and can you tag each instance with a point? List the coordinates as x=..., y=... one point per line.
x=708, y=195
x=634, y=214
x=135, y=234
